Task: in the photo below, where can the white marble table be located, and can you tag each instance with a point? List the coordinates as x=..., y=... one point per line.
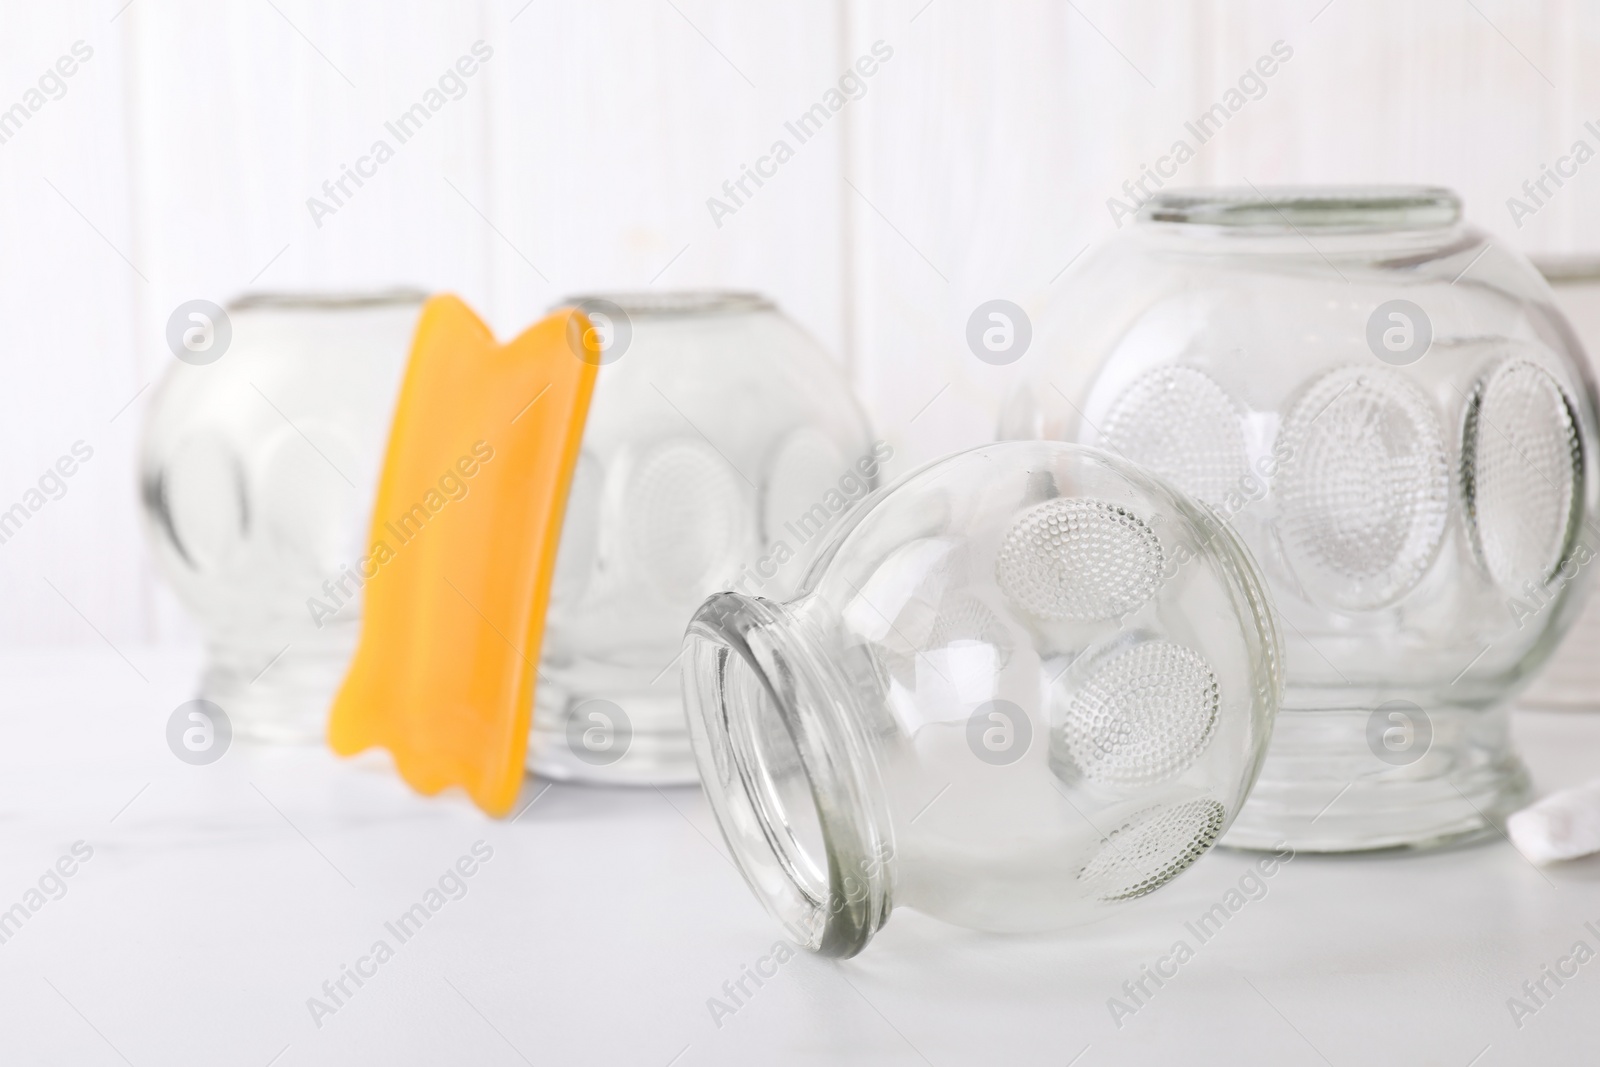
x=219, y=899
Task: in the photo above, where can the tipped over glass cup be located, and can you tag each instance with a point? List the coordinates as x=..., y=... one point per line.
x=1020, y=688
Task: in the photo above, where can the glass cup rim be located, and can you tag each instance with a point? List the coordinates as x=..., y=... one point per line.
x=671, y=302
x=771, y=643
x=325, y=300
x=1294, y=209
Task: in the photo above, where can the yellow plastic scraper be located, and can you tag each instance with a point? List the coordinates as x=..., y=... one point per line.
x=464, y=537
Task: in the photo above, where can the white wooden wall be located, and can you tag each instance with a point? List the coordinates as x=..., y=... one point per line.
x=977, y=165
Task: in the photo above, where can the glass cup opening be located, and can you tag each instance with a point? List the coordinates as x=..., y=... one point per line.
x=775, y=777
x=1333, y=209
x=793, y=790
x=675, y=302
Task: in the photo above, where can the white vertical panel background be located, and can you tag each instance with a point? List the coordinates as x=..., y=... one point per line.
x=615, y=122
x=982, y=169
x=68, y=297
x=976, y=165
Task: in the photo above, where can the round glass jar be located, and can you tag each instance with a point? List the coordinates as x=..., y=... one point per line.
x=258, y=471
x=1391, y=413
x=1022, y=686
x=721, y=443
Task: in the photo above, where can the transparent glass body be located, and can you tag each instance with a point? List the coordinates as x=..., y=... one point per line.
x=1571, y=679
x=1023, y=686
x=1394, y=417
x=721, y=445
x=258, y=474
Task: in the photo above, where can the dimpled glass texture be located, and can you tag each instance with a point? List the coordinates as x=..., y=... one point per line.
x=1420, y=491
x=1023, y=686
x=257, y=474
x=720, y=446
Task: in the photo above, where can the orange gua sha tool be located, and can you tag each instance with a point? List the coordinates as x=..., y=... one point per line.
x=464, y=537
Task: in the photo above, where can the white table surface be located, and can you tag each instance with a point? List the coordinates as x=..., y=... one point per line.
x=218, y=900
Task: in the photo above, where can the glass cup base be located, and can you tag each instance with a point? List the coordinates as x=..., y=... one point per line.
x=1329, y=785
x=650, y=746
x=279, y=694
